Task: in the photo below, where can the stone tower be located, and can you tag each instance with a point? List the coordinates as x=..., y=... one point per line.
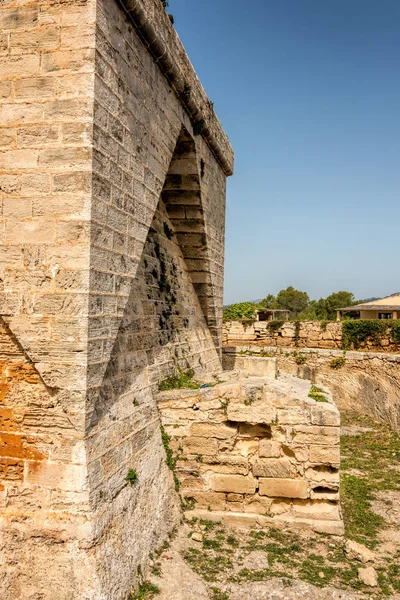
x=112, y=184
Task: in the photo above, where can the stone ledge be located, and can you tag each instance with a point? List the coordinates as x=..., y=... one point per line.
x=247, y=521
x=162, y=41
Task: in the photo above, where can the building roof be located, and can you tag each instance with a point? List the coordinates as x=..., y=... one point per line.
x=388, y=303
x=272, y=310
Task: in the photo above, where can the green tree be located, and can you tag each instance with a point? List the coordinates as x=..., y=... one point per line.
x=326, y=307
x=240, y=310
x=269, y=302
x=294, y=301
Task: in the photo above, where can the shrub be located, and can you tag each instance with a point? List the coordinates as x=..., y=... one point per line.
x=395, y=331
x=358, y=332
x=300, y=359
x=179, y=380
x=337, y=363
x=241, y=310
x=132, y=476
x=273, y=326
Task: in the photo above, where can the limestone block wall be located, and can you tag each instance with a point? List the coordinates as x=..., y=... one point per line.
x=304, y=334
x=256, y=451
x=112, y=184
x=365, y=381
x=45, y=508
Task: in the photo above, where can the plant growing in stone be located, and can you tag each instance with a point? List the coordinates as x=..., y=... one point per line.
x=317, y=394
x=180, y=380
x=300, y=359
x=171, y=460
x=338, y=362
x=146, y=591
x=132, y=477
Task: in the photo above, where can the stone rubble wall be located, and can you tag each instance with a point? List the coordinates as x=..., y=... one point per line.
x=365, y=381
x=311, y=334
x=111, y=261
x=257, y=451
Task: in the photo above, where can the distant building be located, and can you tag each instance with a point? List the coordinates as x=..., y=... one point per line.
x=273, y=314
x=385, y=308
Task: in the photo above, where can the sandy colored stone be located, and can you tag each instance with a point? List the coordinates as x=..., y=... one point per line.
x=316, y=510
x=292, y=416
x=368, y=576
x=98, y=293
x=212, y=500
x=213, y=430
x=324, y=454
x=257, y=366
x=280, y=507
x=246, y=447
x=283, y=488
x=303, y=434
x=325, y=414
x=260, y=505
x=200, y=446
x=324, y=474
x=234, y=497
x=225, y=463
x=273, y=467
x=238, y=484
x=356, y=551
x=252, y=413
x=269, y=449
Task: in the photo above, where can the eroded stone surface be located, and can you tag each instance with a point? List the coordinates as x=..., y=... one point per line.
x=250, y=444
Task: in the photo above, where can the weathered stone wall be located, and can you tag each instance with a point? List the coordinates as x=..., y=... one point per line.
x=304, y=334
x=46, y=94
x=365, y=381
x=257, y=451
x=111, y=260
x=45, y=509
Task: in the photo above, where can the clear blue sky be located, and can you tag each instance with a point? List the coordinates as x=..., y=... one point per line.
x=309, y=93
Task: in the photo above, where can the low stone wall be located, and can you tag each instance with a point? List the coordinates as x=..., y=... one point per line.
x=366, y=381
x=302, y=334
x=257, y=451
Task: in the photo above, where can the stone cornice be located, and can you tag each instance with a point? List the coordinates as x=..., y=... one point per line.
x=160, y=38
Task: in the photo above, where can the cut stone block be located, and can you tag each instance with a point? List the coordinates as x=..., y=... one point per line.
x=323, y=475
x=233, y=483
x=208, y=499
x=269, y=449
x=252, y=413
x=280, y=468
x=283, y=488
x=292, y=416
x=200, y=445
x=257, y=366
x=325, y=454
x=214, y=430
x=312, y=434
x=316, y=510
x=260, y=505
x=325, y=414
